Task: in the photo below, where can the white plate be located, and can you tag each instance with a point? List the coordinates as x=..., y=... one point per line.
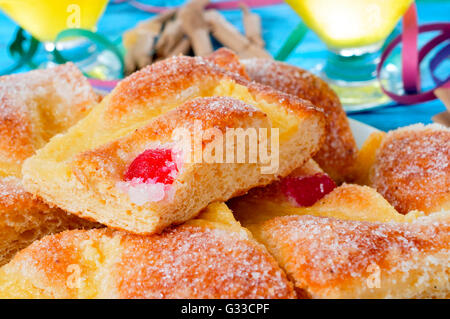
x=361, y=131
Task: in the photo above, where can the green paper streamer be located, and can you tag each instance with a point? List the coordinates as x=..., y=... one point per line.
x=95, y=38
x=22, y=55
x=297, y=35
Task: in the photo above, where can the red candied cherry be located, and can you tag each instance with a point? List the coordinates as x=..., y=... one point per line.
x=306, y=191
x=157, y=165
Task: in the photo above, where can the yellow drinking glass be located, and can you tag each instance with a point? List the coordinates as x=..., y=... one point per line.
x=45, y=19
x=354, y=32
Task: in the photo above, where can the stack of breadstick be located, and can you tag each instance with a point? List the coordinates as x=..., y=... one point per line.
x=189, y=29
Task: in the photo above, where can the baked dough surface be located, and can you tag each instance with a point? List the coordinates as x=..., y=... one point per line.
x=335, y=258
x=142, y=111
x=34, y=106
x=209, y=257
x=412, y=168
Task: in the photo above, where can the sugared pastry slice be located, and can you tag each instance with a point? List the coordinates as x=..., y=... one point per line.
x=336, y=258
x=309, y=191
x=351, y=243
x=411, y=167
x=146, y=180
x=338, y=153
x=209, y=257
x=126, y=170
x=25, y=218
x=34, y=106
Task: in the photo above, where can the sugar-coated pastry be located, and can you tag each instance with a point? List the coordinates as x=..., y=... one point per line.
x=338, y=153
x=126, y=170
x=348, y=201
x=34, y=106
x=210, y=257
x=349, y=241
x=412, y=168
x=308, y=191
x=24, y=218
x=336, y=258
x=302, y=188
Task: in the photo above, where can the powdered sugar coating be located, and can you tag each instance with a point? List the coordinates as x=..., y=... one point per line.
x=331, y=257
x=112, y=160
x=191, y=262
x=182, y=262
x=214, y=109
x=179, y=79
x=173, y=79
x=19, y=93
x=412, y=168
x=25, y=218
x=36, y=105
x=12, y=191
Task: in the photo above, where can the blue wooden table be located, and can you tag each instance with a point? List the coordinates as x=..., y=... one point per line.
x=277, y=22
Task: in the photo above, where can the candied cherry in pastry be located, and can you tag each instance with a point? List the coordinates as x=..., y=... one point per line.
x=156, y=165
x=306, y=191
x=150, y=176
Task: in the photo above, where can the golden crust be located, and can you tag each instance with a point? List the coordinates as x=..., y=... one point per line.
x=88, y=160
x=166, y=79
x=33, y=107
x=182, y=262
x=100, y=169
x=25, y=218
x=333, y=258
x=348, y=201
x=228, y=60
x=412, y=168
x=164, y=86
x=111, y=160
x=210, y=264
x=36, y=105
x=339, y=257
x=96, y=172
x=338, y=153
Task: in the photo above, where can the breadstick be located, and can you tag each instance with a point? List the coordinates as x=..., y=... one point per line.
x=170, y=37
x=194, y=25
x=140, y=40
x=252, y=26
x=230, y=37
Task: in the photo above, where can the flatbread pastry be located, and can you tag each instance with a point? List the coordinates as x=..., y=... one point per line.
x=122, y=164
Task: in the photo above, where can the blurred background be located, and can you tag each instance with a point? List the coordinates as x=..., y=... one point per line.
x=278, y=22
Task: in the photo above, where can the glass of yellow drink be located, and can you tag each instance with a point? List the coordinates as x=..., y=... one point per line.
x=354, y=32
x=45, y=19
